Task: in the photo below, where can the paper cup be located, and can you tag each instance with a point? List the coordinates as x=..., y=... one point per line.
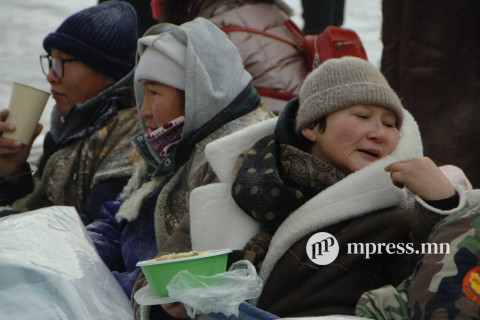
x=25, y=108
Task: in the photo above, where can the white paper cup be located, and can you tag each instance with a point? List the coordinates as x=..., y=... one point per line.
x=25, y=108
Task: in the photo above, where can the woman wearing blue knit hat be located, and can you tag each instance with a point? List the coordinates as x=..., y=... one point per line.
x=85, y=160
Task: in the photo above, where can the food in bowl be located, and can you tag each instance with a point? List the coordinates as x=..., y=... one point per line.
x=172, y=256
x=159, y=271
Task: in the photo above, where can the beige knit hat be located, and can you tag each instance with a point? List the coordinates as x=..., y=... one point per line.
x=342, y=83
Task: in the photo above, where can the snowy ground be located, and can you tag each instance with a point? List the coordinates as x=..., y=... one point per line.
x=24, y=24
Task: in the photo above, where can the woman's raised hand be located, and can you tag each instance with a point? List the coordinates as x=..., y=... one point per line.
x=422, y=177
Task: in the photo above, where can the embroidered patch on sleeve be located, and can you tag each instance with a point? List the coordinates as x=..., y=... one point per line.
x=471, y=284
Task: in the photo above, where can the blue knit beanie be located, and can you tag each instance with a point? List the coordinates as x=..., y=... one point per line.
x=104, y=37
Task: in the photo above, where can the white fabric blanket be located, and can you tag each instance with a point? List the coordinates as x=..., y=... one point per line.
x=51, y=270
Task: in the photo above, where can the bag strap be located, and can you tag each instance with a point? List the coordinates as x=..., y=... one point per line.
x=296, y=32
x=285, y=96
x=261, y=32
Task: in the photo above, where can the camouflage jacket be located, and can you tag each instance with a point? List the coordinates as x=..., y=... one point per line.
x=445, y=285
x=89, y=154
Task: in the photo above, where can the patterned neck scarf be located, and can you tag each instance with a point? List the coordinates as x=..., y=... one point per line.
x=166, y=136
x=272, y=180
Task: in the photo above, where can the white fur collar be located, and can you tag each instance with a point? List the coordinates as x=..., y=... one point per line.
x=135, y=191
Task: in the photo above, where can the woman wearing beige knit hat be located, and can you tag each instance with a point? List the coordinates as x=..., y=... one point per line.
x=344, y=159
x=365, y=116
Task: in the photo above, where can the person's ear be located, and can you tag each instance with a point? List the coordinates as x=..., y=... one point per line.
x=309, y=133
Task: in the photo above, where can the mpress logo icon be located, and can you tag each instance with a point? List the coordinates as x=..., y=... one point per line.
x=322, y=248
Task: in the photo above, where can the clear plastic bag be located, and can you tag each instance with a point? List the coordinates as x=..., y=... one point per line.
x=221, y=293
x=51, y=270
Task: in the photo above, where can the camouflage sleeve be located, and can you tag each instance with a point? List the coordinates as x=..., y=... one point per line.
x=384, y=303
x=448, y=285
x=444, y=285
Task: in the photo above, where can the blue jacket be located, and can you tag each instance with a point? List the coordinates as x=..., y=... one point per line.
x=122, y=245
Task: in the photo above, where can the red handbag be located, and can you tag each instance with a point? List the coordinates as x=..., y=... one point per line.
x=333, y=42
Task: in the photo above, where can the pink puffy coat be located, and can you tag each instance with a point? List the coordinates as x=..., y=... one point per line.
x=274, y=65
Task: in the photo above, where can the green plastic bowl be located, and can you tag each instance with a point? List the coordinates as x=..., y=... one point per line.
x=159, y=273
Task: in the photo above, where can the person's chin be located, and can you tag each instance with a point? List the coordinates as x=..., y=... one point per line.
x=62, y=110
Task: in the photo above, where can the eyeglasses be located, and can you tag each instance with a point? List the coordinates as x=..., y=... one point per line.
x=55, y=63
